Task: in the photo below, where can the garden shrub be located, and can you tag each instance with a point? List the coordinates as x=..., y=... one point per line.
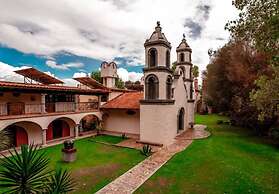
x=274, y=133
x=219, y=122
x=146, y=150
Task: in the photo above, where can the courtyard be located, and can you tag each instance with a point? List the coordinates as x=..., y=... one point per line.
x=231, y=160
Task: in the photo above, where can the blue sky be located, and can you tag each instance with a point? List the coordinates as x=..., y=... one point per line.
x=68, y=37
x=18, y=59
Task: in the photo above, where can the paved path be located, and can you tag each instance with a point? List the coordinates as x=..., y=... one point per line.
x=135, y=177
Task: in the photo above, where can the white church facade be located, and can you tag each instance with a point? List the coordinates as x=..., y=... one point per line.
x=166, y=107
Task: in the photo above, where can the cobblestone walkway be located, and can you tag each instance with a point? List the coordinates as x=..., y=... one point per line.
x=135, y=177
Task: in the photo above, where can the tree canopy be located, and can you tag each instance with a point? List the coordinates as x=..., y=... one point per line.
x=243, y=75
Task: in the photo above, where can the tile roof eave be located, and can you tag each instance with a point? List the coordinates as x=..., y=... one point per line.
x=35, y=87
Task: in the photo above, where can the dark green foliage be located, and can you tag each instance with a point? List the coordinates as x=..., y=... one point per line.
x=258, y=25
x=60, y=182
x=97, y=76
x=195, y=71
x=146, y=150
x=274, y=133
x=119, y=83
x=219, y=122
x=28, y=172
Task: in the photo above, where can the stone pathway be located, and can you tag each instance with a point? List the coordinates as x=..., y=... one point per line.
x=133, y=143
x=135, y=177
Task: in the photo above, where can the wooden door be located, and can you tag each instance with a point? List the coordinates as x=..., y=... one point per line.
x=21, y=137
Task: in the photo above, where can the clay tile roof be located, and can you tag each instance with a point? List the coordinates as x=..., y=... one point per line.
x=125, y=101
x=5, y=85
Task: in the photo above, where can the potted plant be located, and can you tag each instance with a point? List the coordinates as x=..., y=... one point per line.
x=69, y=152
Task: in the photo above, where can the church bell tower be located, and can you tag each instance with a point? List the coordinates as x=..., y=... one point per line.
x=156, y=108
x=157, y=72
x=184, y=62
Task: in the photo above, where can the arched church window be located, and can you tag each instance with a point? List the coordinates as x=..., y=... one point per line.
x=151, y=87
x=168, y=59
x=169, y=88
x=183, y=71
x=152, y=57
x=182, y=57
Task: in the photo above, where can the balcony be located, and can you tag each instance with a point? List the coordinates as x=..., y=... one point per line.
x=10, y=110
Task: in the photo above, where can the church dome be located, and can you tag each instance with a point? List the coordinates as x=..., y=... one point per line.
x=157, y=37
x=183, y=46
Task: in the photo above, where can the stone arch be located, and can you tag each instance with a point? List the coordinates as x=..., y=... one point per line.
x=180, y=119
x=169, y=87
x=24, y=132
x=168, y=59
x=61, y=127
x=151, y=87
x=183, y=70
x=89, y=122
x=113, y=64
x=152, y=57
x=104, y=64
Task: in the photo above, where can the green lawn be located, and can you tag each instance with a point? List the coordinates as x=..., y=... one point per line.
x=97, y=164
x=232, y=160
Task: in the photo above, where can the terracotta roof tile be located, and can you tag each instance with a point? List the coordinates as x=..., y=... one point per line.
x=41, y=87
x=125, y=101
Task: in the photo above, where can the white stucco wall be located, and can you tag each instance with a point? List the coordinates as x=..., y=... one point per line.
x=158, y=123
x=120, y=121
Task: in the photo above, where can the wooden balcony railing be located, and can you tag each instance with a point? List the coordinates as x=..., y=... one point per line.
x=3, y=109
x=36, y=108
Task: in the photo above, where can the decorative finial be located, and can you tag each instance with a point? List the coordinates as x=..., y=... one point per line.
x=158, y=24
x=184, y=36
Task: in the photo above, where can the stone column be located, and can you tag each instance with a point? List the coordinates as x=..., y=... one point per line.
x=44, y=136
x=76, y=103
x=99, y=102
x=77, y=130
x=43, y=103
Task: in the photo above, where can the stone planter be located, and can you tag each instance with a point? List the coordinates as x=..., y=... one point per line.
x=191, y=125
x=69, y=153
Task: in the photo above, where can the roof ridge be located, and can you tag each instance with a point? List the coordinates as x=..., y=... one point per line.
x=114, y=98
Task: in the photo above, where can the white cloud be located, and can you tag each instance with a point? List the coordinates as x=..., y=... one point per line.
x=7, y=72
x=80, y=74
x=65, y=66
x=70, y=82
x=105, y=29
x=131, y=76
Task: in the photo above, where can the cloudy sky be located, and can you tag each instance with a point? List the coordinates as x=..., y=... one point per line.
x=67, y=38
